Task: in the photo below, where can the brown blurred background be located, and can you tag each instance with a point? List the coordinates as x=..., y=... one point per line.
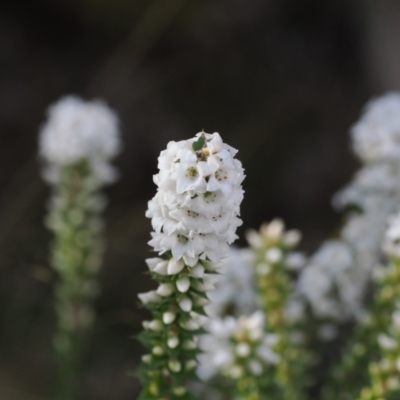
x=281, y=80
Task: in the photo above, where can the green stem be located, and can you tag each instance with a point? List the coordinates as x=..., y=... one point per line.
x=274, y=287
x=248, y=388
x=166, y=372
x=76, y=223
x=353, y=372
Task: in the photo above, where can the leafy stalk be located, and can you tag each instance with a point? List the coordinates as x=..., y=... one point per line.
x=76, y=223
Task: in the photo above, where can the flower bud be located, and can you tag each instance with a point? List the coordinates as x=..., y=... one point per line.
x=183, y=284
x=190, y=364
x=235, y=372
x=189, y=345
x=165, y=289
x=243, y=350
x=255, y=367
x=263, y=269
x=179, y=391
x=185, y=303
x=146, y=358
x=198, y=271
x=200, y=301
x=158, y=351
x=292, y=238
x=168, y=317
x=157, y=265
x=145, y=324
x=149, y=297
x=273, y=255
x=174, y=267
x=174, y=366
x=190, y=325
x=173, y=342
x=155, y=325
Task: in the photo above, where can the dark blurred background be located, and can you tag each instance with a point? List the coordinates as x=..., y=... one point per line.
x=281, y=80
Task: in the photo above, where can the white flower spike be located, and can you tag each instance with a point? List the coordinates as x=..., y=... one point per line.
x=194, y=214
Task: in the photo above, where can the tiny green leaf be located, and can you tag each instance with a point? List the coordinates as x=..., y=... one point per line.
x=199, y=144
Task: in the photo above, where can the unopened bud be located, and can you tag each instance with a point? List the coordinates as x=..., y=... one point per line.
x=174, y=267
x=185, y=304
x=165, y=289
x=168, y=317
x=183, y=284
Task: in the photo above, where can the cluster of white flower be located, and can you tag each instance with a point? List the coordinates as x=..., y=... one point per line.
x=377, y=135
x=336, y=291
x=195, y=211
x=272, y=235
x=194, y=215
x=324, y=275
x=235, y=292
x=79, y=131
x=236, y=347
x=273, y=245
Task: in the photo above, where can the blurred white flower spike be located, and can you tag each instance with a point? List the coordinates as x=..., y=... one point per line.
x=194, y=214
x=338, y=291
x=240, y=349
x=78, y=130
x=236, y=275
x=77, y=143
x=376, y=136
